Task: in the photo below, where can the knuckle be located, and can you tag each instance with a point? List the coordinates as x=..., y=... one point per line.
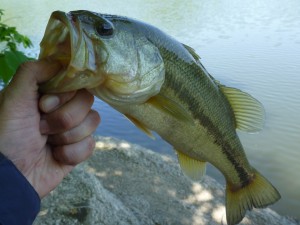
x=90, y=145
x=95, y=117
x=62, y=155
x=66, y=120
x=70, y=158
x=74, y=154
x=89, y=98
x=65, y=97
x=65, y=138
x=28, y=67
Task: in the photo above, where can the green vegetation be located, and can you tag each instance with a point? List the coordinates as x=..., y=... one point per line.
x=10, y=57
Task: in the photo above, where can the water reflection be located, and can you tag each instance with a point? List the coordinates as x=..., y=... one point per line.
x=253, y=45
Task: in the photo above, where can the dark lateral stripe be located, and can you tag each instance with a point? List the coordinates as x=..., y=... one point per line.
x=180, y=85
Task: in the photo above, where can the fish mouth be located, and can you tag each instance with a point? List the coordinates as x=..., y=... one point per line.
x=65, y=42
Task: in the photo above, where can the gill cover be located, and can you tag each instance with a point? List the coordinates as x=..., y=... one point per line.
x=134, y=68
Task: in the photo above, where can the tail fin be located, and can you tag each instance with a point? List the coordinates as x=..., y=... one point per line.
x=259, y=193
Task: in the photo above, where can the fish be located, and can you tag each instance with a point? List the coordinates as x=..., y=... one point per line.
x=161, y=86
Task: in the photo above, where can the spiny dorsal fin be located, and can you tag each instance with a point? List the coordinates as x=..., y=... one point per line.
x=171, y=107
x=214, y=80
x=194, y=169
x=192, y=52
x=140, y=125
x=249, y=113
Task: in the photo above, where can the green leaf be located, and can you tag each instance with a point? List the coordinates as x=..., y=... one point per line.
x=6, y=72
x=9, y=62
x=27, y=42
x=10, y=58
x=1, y=13
x=11, y=37
x=12, y=46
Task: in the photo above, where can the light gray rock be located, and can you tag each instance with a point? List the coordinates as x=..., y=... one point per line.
x=123, y=183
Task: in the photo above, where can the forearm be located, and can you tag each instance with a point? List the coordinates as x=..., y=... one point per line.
x=19, y=202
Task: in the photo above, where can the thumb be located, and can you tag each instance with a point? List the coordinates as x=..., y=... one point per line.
x=30, y=74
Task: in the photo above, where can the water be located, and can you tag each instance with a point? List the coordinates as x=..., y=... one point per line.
x=252, y=45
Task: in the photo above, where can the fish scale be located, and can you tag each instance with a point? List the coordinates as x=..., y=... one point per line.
x=179, y=78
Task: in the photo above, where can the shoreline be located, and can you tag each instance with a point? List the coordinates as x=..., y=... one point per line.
x=124, y=183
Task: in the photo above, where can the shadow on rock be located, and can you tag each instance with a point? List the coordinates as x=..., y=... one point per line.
x=123, y=183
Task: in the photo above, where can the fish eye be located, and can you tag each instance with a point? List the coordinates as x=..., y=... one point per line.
x=105, y=29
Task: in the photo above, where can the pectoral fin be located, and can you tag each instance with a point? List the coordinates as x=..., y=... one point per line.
x=140, y=125
x=194, y=169
x=170, y=107
x=249, y=113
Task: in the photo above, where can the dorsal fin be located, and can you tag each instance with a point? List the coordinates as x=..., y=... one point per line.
x=249, y=113
x=192, y=52
x=194, y=169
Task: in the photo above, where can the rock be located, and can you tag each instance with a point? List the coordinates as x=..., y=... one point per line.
x=123, y=183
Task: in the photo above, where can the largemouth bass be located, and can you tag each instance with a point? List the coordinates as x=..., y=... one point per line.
x=160, y=85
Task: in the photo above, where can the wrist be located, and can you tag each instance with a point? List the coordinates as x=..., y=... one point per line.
x=4, y=159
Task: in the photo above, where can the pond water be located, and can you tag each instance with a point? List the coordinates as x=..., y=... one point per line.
x=253, y=45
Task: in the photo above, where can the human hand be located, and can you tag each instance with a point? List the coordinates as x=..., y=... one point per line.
x=45, y=136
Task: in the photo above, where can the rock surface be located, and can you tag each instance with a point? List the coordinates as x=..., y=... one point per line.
x=125, y=184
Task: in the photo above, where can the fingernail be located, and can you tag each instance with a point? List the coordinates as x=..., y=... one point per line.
x=50, y=102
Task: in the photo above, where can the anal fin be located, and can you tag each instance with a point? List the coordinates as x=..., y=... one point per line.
x=194, y=169
x=140, y=125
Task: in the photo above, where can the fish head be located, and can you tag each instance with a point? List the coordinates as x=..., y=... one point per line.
x=110, y=56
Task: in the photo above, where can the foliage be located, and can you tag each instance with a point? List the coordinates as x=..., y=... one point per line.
x=10, y=57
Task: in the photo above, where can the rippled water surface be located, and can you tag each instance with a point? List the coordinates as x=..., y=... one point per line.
x=252, y=45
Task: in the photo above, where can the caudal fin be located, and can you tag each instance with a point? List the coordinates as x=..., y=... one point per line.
x=259, y=193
